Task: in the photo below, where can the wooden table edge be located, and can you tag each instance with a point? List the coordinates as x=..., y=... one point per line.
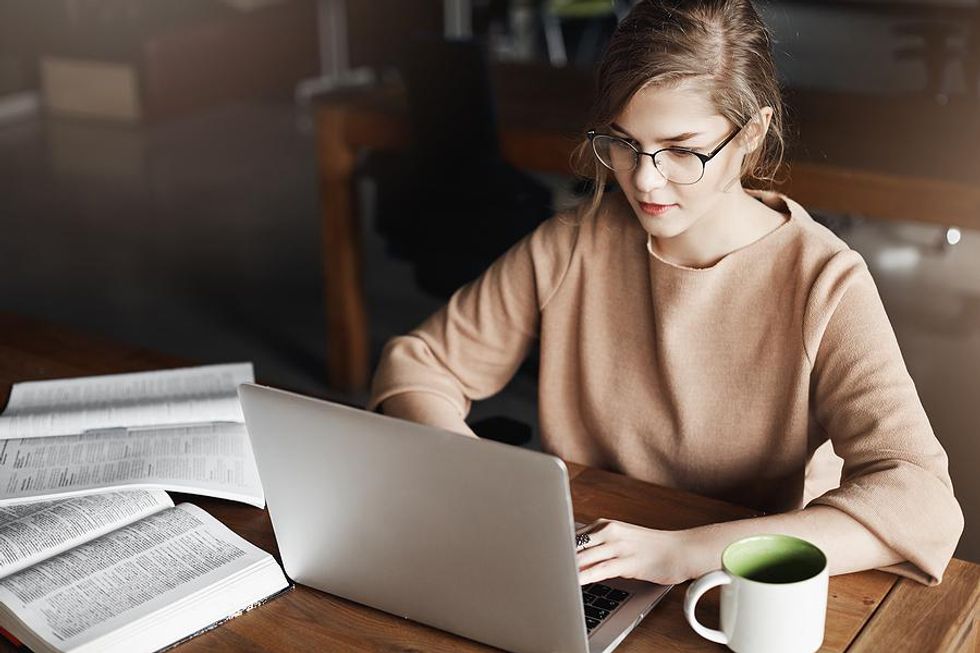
x=908, y=612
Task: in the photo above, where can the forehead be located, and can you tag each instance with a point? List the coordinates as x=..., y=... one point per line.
x=660, y=112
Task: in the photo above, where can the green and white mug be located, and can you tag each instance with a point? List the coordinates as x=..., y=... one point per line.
x=773, y=596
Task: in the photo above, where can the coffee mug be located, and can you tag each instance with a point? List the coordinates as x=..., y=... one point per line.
x=773, y=596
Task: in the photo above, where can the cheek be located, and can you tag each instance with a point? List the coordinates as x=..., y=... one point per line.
x=696, y=194
x=723, y=168
x=623, y=179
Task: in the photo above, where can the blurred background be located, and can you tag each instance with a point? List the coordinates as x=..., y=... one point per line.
x=264, y=180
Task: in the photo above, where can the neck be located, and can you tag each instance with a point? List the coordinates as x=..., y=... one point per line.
x=730, y=224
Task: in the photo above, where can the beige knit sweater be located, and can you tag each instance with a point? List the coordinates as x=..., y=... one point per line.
x=723, y=381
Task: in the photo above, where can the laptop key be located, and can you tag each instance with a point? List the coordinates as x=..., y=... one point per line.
x=587, y=598
x=596, y=613
x=617, y=595
x=591, y=623
x=599, y=589
x=604, y=604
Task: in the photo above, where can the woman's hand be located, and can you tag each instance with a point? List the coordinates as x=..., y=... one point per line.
x=619, y=550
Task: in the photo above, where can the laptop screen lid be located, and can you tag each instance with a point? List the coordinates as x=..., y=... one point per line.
x=470, y=536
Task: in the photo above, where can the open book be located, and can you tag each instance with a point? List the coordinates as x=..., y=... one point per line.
x=123, y=571
x=180, y=430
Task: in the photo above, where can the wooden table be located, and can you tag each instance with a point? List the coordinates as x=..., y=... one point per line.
x=903, y=159
x=867, y=612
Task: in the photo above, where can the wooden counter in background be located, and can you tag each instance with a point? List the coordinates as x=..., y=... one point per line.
x=901, y=158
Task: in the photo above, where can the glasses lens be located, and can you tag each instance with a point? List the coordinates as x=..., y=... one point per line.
x=679, y=166
x=614, y=153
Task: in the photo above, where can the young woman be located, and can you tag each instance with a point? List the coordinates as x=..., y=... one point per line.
x=694, y=333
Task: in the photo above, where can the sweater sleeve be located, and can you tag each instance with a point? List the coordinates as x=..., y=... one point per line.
x=469, y=349
x=895, y=479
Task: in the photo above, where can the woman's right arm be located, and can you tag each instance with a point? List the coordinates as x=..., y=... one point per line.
x=426, y=408
x=470, y=349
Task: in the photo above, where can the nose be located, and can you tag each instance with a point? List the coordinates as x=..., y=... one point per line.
x=646, y=175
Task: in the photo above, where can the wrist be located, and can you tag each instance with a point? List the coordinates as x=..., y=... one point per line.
x=699, y=556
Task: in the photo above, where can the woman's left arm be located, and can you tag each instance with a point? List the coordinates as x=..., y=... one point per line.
x=895, y=506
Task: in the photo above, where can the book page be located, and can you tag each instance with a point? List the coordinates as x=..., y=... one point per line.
x=209, y=459
x=34, y=531
x=149, y=566
x=71, y=406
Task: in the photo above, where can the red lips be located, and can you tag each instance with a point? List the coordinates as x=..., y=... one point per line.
x=656, y=209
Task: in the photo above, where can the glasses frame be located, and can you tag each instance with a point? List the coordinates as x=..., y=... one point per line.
x=592, y=134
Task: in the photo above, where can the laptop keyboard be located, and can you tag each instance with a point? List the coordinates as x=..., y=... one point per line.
x=600, y=601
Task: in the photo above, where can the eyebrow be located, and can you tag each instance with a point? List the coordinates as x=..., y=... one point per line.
x=675, y=139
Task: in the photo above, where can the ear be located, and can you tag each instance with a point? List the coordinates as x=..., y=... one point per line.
x=754, y=133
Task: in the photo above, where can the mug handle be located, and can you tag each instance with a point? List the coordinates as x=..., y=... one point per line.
x=694, y=592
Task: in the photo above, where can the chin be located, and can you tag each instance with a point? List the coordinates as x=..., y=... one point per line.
x=665, y=227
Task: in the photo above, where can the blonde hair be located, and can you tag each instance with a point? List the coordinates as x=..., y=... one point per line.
x=722, y=44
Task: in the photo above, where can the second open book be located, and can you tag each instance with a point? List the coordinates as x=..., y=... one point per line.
x=180, y=430
x=123, y=571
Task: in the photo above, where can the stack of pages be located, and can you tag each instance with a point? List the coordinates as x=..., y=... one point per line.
x=94, y=556
x=180, y=430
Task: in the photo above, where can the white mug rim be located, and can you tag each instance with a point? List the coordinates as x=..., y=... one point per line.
x=774, y=536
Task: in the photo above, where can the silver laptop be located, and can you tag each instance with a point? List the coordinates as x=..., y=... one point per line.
x=470, y=536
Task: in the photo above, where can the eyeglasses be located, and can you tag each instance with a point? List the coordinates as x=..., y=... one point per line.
x=676, y=164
